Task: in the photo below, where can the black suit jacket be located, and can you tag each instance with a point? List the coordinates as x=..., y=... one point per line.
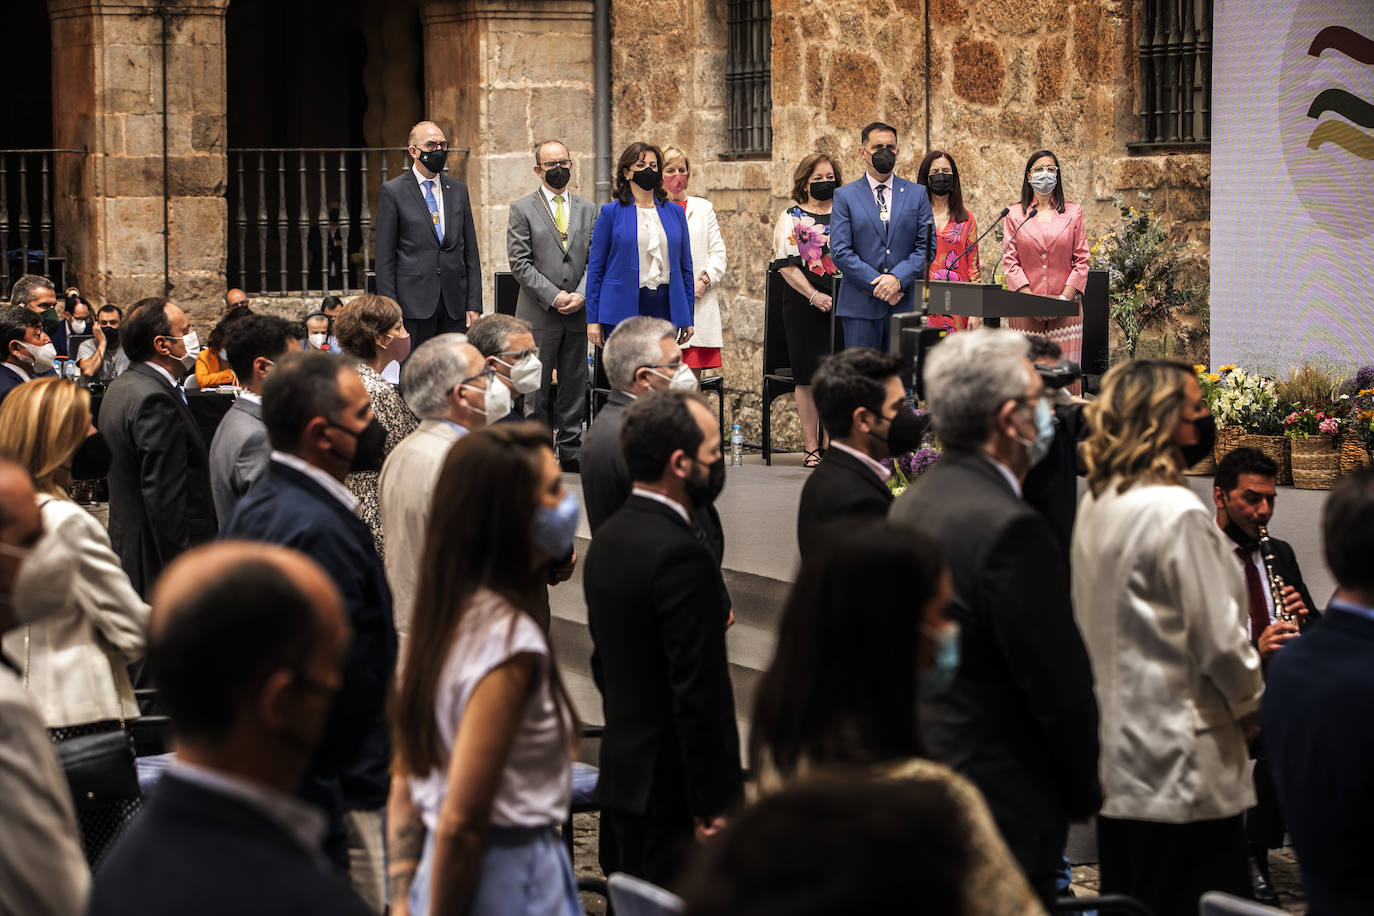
x=1321, y=753
x=352, y=767
x=9, y=380
x=671, y=747
x=841, y=486
x=192, y=850
x=1020, y=719
x=160, y=496
x=1052, y=485
x=412, y=266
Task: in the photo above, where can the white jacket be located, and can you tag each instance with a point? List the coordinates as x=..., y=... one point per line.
x=1160, y=599
x=708, y=254
x=76, y=658
x=404, y=493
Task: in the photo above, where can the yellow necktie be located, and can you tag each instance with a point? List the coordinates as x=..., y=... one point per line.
x=560, y=219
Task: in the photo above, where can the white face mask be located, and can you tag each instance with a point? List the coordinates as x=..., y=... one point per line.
x=78, y=326
x=43, y=357
x=192, y=343
x=497, y=399
x=318, y=341
x=525, y=374
x=684, y=379
x=44, y=583
x=1044, y=182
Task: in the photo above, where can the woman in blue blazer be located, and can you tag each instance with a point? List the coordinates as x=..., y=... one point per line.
x=641, y=256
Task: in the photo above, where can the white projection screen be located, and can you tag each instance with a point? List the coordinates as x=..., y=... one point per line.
x=1292, y=246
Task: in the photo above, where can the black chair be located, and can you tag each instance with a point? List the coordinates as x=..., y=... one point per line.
x=777, y=363
x=507, y=291
x=1096, y=322
x=716, y=385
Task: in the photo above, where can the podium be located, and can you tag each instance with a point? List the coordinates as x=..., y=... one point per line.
x=991, y=302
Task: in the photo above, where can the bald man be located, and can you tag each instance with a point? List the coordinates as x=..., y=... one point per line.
x=427, y=256
x=42, y=868
x=234, y=298
x=247, y=643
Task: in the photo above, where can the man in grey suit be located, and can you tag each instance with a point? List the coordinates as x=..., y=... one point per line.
x=239, y=453
x=547, y=240
x=427, y=257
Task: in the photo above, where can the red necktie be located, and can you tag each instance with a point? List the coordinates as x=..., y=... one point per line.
x=1259, y=611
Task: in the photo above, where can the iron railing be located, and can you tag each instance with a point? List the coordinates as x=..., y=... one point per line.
x=748, y=78
x=1175, y=56
x=28, y=233
x=301, y=219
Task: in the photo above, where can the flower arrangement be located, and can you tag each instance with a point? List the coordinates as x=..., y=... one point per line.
x=1246, y=400
x=1141, y=260
x=1361, y=418
x=906, y=468
x=1309, y=422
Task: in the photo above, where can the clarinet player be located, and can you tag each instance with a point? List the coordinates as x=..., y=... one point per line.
x=1279, y=607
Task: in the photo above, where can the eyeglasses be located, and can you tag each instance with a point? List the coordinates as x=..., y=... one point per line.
x=563, y=163
x=674, y=366
x=515, y=356
x=487, y=374
x=433, y=145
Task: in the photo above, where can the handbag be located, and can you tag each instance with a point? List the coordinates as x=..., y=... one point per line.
x=99, y=767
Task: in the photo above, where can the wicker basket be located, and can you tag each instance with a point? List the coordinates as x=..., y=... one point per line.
x=1228, y=437
x=1316, y=463
x=1276, y=447
x=1204, y=468
x=1352, y=452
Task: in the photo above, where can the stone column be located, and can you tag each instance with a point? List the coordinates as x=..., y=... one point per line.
x=108, y=99
x=500, y=76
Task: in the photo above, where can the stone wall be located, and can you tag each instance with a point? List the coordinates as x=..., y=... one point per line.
x=1006, y=77
x=107, y=99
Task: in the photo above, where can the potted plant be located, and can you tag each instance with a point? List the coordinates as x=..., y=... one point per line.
x=1208, y=382
x=906, y=468
x=1312, y=439
x=1245, y=407
x=1356, y=398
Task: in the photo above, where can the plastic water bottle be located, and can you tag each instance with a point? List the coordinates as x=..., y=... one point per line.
x=736, y=448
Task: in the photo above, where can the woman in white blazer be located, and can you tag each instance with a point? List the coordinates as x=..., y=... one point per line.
x=708, y=260
x=1160, y=599
x=74, y=661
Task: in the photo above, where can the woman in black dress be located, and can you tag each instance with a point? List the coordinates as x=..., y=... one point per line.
x=801, y=253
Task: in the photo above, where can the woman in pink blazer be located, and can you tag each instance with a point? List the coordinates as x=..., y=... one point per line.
x=1049, y=256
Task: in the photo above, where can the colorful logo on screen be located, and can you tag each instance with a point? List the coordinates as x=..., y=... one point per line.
x=1353, y=109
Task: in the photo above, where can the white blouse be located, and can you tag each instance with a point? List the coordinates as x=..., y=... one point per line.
x=653, y=249
x=536, y=785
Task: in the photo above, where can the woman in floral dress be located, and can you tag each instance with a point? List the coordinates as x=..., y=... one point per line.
x=955, y=229
x=801, y=253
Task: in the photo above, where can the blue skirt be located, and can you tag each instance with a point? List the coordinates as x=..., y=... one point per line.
x=525, y=872
x=655, y=303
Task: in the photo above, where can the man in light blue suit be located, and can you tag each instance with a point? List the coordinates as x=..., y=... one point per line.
x=882, y=237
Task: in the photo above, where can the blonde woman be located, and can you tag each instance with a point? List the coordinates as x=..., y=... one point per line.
x=708, y=260
x=74, y=662
x=1161, y=601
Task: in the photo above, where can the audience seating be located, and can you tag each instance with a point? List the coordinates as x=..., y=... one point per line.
x=631, y=896
x=507, y=291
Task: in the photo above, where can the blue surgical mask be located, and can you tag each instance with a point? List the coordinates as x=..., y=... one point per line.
x=938, y=679
x=1039, y=447
x=553, y=528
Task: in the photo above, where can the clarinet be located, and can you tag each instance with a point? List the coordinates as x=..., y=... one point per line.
x=1266, y=549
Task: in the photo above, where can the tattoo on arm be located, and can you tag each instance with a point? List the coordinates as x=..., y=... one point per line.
x=407, y=843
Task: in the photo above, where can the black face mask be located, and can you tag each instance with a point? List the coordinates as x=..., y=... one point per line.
x=434, y=159
x=822, y=190
x=645, y=178
x=91, y=460
x=1241, y=539
x=940, y=183
x=557, y=177
x=1206, y=438
x=904, y=432
x=884, y=160
x=111, y=339
x=703, y=494
x=370, y=450
x=333, y=214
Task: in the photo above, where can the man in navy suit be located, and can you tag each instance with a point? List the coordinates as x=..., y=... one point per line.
x=1313, y=718
x=320, y=424
x=248, y=642
x=427, y=256
x=882, y=237
x=28, y=352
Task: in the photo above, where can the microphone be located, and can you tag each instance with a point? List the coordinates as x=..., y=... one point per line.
x=1029, y=216
x=974, y=244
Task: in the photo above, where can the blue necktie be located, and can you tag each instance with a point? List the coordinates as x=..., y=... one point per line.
x=433, y=209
